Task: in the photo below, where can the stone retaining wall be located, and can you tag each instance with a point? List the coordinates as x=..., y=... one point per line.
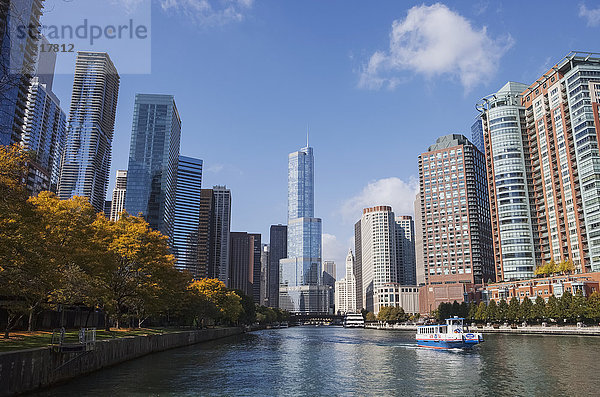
x=27, y=370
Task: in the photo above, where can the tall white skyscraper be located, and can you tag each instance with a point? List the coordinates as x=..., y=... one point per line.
x=301, y=289
x=345, y=289
x=87, y=155
x=118, y=196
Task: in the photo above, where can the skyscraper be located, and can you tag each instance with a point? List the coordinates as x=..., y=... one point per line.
x=43, y=134
x=345, y=289
x=118, y=197
x=378, y=241
x=17, y=64
x=457, y=246
x=241, y=250
x=419, y=261
x=219, y=267
x=206, y=237
x=186, y=217
x=477, y=134
x=405, y=250
x=328, y=280
x=153, y=160
x=360, y=304
x=547, y=134
x=255, y=264
x=300, y=289
x=278, y=251
x=87, y=155
x=264, y=275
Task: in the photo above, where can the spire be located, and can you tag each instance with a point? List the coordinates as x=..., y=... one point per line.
x=307, y=145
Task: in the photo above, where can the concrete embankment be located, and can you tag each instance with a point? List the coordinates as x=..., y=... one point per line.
x=27, y=370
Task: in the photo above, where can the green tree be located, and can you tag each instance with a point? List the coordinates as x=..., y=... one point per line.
x=455, y=309
x=481, y=313
x=593, y=307
x=566, y=302
x=553, y=308
x=370, y=317
x=526, y=310
x=578, y=307
x=492, y=311
x=538, y=311
x=502, y=310
x=472, y=311
x=513, y=311
x=249, y=308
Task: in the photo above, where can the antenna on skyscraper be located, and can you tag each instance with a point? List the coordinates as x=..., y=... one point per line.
x=306, y=134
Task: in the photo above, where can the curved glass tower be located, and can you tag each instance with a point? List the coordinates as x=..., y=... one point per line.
x=300, y=288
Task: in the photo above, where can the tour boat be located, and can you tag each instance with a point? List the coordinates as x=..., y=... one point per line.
x=452, y=335
x=354, y=320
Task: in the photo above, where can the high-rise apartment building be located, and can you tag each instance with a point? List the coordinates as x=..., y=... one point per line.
x=360, y=304
x=219, y=268
x=301, y=290
x=44, y=134
x=477, y=134
x=419, y=261
x=455, y=220
x=18, y=54
x=405, y=250
x=118, y=197
x=206, y=238
x=542, y=141
x=244, y=263
x=186, y=216
x=277, y=251
x=153, y=160
x=328, y=279
x=86, y=159
x=378, y=246
x=264, y=275
x=345, y=289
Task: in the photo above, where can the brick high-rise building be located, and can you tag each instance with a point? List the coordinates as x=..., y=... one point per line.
x=542, y=155
x=455, y=218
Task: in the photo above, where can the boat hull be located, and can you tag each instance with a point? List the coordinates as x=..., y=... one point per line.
x=447, y=344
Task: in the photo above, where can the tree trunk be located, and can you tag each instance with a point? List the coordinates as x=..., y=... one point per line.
x=30, y=321
x=106, y=322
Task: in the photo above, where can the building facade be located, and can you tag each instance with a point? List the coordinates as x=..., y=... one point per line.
x=301, y=289
x=547, y=135
x=358, y=265
x=44, y=134
x=219, y=267
x=241, y=255
x=17, y=65
x=405, y=250
x=255, y=266
x=153, y=160
x=397, y=295
x=87, y=155
x=206, y=236
x=457, y=246
x=264, y=275
x=419, y=261
x=277, y=251
x=345, y=289
x=186, y=216
x=378, y=246
x=117, y=205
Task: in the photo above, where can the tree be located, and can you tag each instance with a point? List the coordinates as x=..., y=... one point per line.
x=578, y=306
x=492, y=311
x=538, y=311
x=370, y=317
x=481, y=313
x=566, y=266
x=502, y=313
x=553, y=308
x=593, y=307
x=566, y=301
x=216, y=300
x=526, y=310
x=513, y=311
x=248, y=314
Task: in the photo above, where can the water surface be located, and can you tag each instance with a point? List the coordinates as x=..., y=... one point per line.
x=328, y=361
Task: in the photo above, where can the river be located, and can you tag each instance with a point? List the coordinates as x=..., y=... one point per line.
x=328, y=361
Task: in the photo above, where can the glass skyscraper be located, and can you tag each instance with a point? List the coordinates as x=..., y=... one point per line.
x=86, y=159
x=153, y=159
x=187, y=214
x=300, y=288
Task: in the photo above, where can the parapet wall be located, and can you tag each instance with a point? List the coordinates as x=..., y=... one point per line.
x=27, y=370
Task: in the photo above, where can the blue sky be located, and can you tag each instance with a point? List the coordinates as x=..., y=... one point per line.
x=377, y=83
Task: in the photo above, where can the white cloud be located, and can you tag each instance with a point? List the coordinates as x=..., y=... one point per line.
x=130, y=5
x=215, y=168
x=335, y=250
x=395, y=192
x=435, y=41
x=209, y=12
x=592, y=15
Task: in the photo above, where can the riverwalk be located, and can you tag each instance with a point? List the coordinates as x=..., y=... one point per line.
x=506, y=329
